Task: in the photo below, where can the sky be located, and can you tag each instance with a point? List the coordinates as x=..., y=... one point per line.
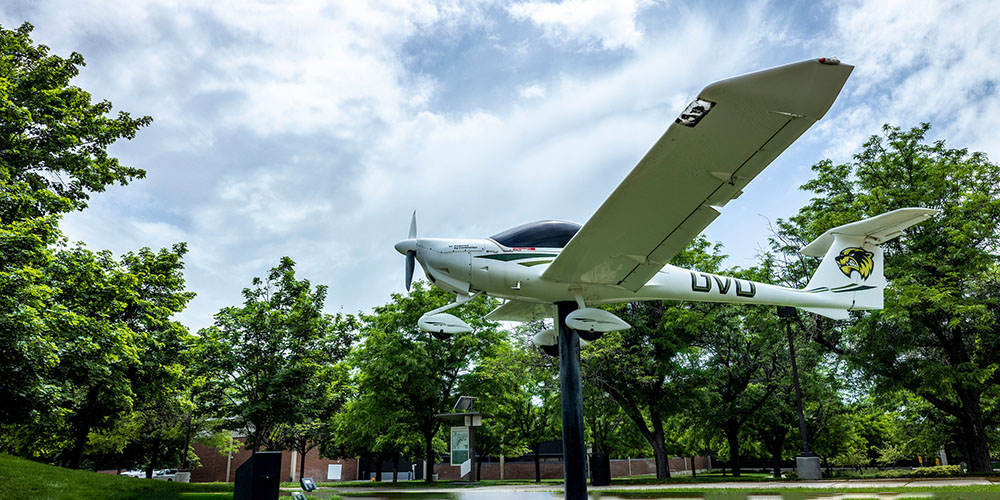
x=313, y=129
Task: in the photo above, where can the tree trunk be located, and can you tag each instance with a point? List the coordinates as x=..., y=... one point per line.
x=79, y=442
x=81, y=428
x=395, y=468
x=777, y=445
x=538, y=466
x=302, y=462
x=732, y=437
x=662, y=460
x=479, y=467
x=154, y=456
x=973, y=432
x=378, y=469
x=429, y=456
x=694, y=468
x=660, y=449
x=186, y=463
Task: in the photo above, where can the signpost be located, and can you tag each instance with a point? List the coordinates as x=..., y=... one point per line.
x=463, y=436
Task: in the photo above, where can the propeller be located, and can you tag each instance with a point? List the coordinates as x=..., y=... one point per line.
x=411, y=255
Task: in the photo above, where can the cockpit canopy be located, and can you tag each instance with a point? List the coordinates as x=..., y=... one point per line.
x=540, y=234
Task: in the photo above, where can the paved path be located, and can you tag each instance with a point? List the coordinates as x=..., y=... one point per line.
x=759, y=485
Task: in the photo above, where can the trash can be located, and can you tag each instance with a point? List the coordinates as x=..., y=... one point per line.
x=600, y=469
x=257, y=478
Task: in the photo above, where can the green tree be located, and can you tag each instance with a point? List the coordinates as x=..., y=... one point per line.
x=519, y=386
x=53, y=153
x=420, y=372
x=321, y=406
x=648, y=368
x=939, y=333
x=110, y=322
x=53, y=139
x=742, y=356
x=262, y=362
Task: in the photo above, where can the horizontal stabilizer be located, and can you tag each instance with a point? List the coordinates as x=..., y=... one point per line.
x=829, y=312
x=876, y=230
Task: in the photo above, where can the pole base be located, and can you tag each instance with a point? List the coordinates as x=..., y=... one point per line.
x=808, y=467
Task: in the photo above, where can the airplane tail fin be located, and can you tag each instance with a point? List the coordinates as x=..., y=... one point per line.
x=852, y=260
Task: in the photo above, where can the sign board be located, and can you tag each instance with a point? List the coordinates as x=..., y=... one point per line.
x=459, y=445
x=308, y=484
x=466, y=468
x=333, y=472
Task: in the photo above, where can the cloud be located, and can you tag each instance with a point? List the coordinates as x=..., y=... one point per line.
x=584, y=22
x=918, y=61
x=313, y=129
x=532, y=91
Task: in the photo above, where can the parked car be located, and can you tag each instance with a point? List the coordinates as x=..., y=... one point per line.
x=165, y=474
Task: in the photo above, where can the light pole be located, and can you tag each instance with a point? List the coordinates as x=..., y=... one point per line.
x=807, y=463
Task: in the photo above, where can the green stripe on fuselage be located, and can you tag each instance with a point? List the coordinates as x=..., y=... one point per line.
x=535, y=263
x=507, y=257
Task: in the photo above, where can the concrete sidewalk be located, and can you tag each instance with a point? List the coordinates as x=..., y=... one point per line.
x=842, y=484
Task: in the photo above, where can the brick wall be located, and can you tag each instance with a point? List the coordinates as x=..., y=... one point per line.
x=213, y=464
x=554, y=470
x=213, y=467
x=317, y=467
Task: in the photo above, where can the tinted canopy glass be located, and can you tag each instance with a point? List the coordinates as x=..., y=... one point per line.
x=541, y=234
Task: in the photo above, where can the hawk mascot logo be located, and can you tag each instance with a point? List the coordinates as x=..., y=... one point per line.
x=856, y=259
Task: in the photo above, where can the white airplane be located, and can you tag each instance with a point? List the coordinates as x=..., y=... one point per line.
x=717, y=145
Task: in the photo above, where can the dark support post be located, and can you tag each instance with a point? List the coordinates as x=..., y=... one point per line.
x=472, y=450
x=788, y=313
x=807, y=463
x=574, y=448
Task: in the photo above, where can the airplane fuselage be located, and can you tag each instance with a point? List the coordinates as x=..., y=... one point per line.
x=468, y=266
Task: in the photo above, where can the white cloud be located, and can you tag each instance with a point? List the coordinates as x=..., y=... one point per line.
x=918, y=61
x=584, y=22
x=532, y=91
x=307, y=130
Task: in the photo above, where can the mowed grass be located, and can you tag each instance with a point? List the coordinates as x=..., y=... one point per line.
x=24, y=479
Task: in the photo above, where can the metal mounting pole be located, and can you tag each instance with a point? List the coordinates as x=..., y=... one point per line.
x=807, y=463
x=788, y=313
x=574, y=448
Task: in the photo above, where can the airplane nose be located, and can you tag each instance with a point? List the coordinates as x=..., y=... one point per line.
x=406, y=245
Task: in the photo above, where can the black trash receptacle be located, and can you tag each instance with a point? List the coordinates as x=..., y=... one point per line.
x=600, y=470
x=257, y=478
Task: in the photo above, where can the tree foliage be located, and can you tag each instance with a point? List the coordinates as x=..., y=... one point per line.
x=411, y=370
x=53, y=139
x=262, y=362
x=939, y=333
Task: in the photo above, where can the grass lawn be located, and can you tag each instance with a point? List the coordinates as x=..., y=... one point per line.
x=24, y=479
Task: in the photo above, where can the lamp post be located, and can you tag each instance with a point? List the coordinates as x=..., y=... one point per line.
x=807, y=463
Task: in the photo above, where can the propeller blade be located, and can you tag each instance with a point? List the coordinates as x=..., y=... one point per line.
x=410, y=258
x=411, y=255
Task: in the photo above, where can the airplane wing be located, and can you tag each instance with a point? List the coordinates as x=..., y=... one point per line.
x=520, y=310
x=721, y=141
